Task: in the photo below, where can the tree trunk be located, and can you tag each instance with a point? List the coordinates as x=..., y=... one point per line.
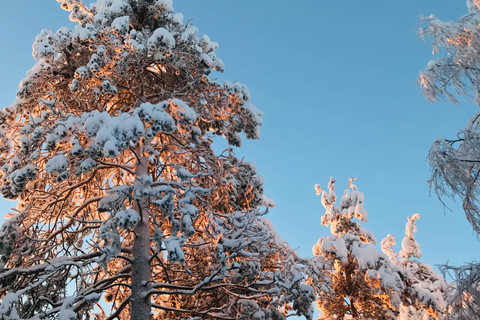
x=353, y=309
x=349, y=271
x=141, y=306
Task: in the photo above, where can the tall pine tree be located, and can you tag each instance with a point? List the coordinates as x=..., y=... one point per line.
x=108, y=149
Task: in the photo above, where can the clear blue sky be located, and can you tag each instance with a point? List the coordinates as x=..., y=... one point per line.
x=336, y=81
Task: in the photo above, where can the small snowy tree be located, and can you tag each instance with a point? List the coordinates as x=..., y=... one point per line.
x=455, y=162
x=108, y=150
x=364, y=283
x=429, y=288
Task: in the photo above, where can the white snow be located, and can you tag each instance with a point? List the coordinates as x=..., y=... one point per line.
x=121, y=25
x=184, y=111
x=8, y=302
x=160, y=39
x=127, y=219
x=173, y=245
x=56, y=164
x=66, y=312
x=164, y=5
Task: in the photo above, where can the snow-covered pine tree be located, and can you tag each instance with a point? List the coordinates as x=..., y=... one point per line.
x=455, y=162
x=108, y=149
x=364, y=283
x=430, y=288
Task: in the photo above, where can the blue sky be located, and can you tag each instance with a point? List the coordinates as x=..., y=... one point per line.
x=336, y=82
